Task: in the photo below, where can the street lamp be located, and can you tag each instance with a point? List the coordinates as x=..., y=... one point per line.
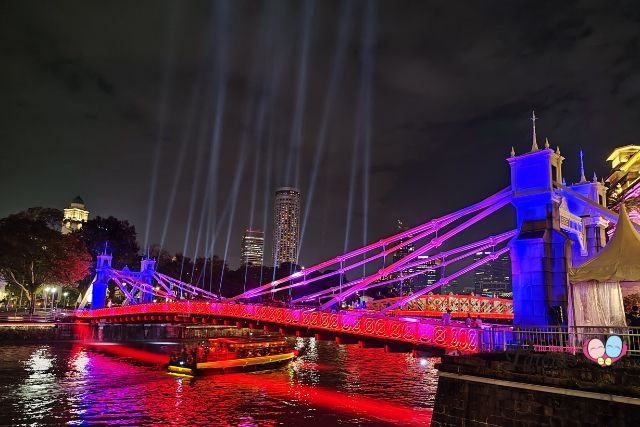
x=66, y=299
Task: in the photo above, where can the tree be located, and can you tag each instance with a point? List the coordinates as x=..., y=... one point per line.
x=33, y=252
x=118, y=235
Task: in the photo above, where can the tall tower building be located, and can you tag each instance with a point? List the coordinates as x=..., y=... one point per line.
x=252, y=250
x=74, y=216
x=286, y=225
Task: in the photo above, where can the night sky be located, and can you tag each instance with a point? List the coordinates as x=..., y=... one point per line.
x=98, y=98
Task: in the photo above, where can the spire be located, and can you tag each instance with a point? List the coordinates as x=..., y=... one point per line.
x=546, y=143
x=595, y=178
x=558, y=150
x=582, y=177
x=513, y=152
x=534, y=144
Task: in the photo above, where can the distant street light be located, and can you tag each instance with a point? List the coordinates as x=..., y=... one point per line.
x=66, y=299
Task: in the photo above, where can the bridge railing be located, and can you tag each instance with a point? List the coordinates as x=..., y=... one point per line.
x=560, y=339
x=456, y=303
x=365, y=324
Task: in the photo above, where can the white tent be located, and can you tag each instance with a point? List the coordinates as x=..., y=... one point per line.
x=597, y=286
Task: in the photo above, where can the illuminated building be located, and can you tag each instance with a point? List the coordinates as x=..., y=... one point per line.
x=493, y=277
x=252, y=249
x=430, y=276
x=286, y=225
x=624, y=180
x=74, y=216
x=405, y=250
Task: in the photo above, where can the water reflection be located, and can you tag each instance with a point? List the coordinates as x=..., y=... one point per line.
x=329, y=384
x=37, y=393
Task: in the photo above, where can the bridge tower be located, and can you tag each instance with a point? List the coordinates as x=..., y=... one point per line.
x=147, y=268
x=541, y=251
x=593, y=237
x=103, y=275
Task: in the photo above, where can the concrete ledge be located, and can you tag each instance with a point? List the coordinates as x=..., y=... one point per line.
x=544, y=389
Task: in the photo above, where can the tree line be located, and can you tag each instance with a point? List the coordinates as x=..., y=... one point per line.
x=34, y=254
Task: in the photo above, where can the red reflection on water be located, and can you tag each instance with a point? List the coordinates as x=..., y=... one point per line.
x=347, y=403
x=172, y=401
x=130, y=353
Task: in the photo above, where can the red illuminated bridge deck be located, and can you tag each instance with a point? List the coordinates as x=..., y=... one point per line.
x=400, y=330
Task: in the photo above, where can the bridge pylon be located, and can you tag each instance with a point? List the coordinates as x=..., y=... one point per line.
x=101, y=283
x=147, y=268
x=559, y=226
x=541, y=250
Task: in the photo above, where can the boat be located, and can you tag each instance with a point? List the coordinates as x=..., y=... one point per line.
x=224, y=355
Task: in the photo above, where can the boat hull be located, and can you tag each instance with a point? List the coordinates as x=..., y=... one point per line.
x=234, y=365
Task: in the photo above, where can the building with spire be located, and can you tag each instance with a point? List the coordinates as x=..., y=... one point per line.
x=286, y=226
x=74, y=216
x=252, y=248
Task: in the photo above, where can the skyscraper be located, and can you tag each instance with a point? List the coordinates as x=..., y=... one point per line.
x=430, y=276
x=286, y=225
x=493, y=277
x=252, y=250
x=74, y=216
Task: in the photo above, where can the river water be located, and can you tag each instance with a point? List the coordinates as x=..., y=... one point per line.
x=117, y=384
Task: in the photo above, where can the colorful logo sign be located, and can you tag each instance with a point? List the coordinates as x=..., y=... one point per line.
x=605, y=354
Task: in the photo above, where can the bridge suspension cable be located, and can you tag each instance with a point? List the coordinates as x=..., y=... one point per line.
x=495, y=255
x=413, y=235
x=470, y=249
x=435, y=242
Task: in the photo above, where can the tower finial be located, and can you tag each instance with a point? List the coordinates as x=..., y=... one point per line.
x=534, y=144
x=582, y=177
x=546, y=143
x=558, y=150
x=513, y=152
x=595, y=177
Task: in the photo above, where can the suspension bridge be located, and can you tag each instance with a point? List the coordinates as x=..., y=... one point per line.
x=558, y=225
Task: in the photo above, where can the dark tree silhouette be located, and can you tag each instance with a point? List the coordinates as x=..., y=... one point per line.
x=119, y=237
x=33, y=252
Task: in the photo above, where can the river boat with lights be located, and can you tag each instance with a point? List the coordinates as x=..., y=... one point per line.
x=225, y=355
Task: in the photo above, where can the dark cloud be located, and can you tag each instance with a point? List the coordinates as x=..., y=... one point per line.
x=83, y=86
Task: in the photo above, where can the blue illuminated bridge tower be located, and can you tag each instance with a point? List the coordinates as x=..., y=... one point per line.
x=558, y=226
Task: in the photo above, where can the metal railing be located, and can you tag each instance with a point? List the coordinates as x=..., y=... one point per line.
x=560, y=339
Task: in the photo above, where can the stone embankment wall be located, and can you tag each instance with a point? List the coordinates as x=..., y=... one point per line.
x=46, y=332
x=528, y=389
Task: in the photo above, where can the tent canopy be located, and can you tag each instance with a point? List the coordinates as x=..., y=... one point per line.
x=619, y=261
